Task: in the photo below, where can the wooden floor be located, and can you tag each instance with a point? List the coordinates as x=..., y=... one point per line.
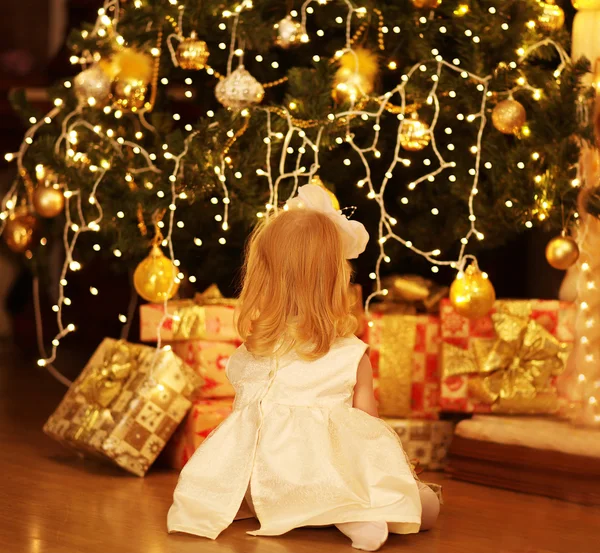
x=52, y=502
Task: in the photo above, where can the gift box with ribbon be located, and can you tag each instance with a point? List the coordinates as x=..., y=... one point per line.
x=507, y=362
x=209, y=360
x=209, y=316
x=125, y=405
x=404, y=348
x=426, y=442
x=203, y=418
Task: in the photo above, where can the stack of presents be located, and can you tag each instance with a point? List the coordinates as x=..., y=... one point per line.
x=473, y=397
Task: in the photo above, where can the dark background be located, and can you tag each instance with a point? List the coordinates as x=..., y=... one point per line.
x=28, y=28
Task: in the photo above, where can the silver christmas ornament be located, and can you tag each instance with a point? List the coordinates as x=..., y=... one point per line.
x=92, y=87
x=239, y=90
x=288, y=32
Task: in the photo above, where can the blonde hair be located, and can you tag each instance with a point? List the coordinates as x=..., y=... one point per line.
x=295, y=293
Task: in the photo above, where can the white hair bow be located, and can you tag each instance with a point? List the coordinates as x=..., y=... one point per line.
x=354, y=234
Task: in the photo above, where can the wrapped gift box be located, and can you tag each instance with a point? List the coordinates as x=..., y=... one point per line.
x=209, y=360
x=508, y=361
x=404, y=352
x=209, y=316
x=203, y=418
x=426, y=442
x=125, y=405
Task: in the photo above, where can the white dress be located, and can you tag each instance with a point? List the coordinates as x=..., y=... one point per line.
x=309, y=457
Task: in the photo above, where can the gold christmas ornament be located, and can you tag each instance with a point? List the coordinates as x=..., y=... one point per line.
x=562, y=252
x=415, y=134
x=192, y=53
x=509, y=116
x=129, y=94
x=19, y=230
x=92, y=87
x=472, y=294
x=239, y=90
x=552, y=17
x=132, y=71
x=356, y=75
x=316, y=179
x=426, y=4
x=289, y=32
x=155, y=278
x=48, y=201
x=586, y=4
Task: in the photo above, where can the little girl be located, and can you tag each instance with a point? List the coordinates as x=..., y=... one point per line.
x=303, y=446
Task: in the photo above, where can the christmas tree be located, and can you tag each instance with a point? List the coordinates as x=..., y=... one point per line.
x=449, y=126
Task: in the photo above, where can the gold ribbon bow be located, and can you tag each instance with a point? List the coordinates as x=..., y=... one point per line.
x=514, y=373
x=105, y=383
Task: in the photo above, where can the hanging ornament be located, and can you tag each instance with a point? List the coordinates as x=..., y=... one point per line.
x=239, y=90
x=132, y=72
x=586, y=4
x=92, y=87
x=48, y=201
x=415, y=134
x=155, y=278
x=19, y=230
x=472, y=294
x=316, y=179
x=552, y=17
x=356, y=76
x=192, y=53
x=562, y=252
x=289, y=32
x=509, y=116
x=426, y=4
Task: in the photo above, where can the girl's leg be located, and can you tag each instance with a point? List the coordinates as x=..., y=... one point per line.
x=367, y=536
x=430, y=506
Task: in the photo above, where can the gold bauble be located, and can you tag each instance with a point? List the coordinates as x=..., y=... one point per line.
x=48, y=201
x=356, y=75
x=415, y=134
x=192, y=53
x=552, y=17
x=155, y=278
x=19, y=230
x=509, y=116
x=428, y=4
x=129, y=94
x=472, y=294
x=586, y=4
x=289, y=32
x=562, y=252
x=316, y=179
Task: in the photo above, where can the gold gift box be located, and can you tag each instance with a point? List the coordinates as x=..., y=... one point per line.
x=125, y=405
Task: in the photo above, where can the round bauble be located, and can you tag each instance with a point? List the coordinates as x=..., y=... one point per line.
x=155, y=278
x=239, y=90
x=129, y=94
x=552, y=17
x=426, y=4
x=48, y=201
x=415, y=134
x=562, y=252
x=316, y=179
x=92, y=87
x=586, y=4
x=288, y=32
x=19, y=230
x=509, y=116
x=472, y=294
x=356, y=75
x=192, y=53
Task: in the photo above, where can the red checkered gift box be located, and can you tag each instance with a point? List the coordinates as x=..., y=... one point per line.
x=203, y=418
x=404, y=352
x=508, y=361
